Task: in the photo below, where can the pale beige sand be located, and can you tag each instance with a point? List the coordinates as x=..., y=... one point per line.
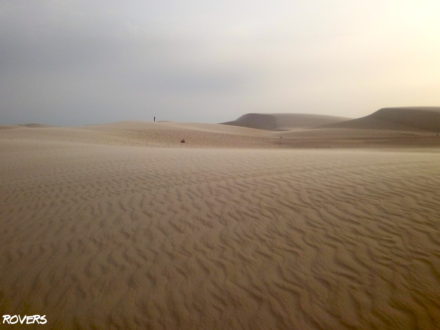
x=169, y=134
x=357, y=138
x=166, y=134
x=101, y=230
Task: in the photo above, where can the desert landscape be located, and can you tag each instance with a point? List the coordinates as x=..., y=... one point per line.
x=270, y=221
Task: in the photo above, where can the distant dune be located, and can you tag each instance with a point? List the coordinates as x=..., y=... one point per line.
x=404, y=118
x=29, y=125
x=283, y=121
x=34, y=125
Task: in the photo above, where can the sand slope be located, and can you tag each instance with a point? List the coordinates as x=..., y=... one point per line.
x=357, y=138
x=169, y=134
x=283, y=121
x=408, y=118
x=115, y=236
x=166, y=134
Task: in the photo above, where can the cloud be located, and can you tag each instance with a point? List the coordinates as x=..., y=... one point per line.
x=56, y=61
x=74, y=62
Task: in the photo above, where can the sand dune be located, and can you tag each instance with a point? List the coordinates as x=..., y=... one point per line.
x=166, y=134
x=169, y=134
x=100, y=233
x=283, y=121
x=357, y=138
x=408, y=118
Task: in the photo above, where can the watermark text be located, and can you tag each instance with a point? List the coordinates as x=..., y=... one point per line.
x=24, y=319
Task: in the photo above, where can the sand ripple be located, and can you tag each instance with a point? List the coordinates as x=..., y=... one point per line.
x=132, y=237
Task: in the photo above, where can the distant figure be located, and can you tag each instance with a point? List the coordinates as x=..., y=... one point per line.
x=182, y=141
x=154, y=119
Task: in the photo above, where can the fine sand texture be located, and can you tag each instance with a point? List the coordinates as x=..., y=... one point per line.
x=120, y=227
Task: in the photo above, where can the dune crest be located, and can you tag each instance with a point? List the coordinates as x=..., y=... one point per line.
x=283, y=121
x=403, y=118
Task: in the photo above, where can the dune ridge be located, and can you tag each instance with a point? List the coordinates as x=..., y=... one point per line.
x=398, y=118
x=283, y=121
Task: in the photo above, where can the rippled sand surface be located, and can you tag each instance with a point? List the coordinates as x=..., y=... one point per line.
x=132, y=237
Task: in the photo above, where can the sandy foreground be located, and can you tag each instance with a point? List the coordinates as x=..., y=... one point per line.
x=99, y=231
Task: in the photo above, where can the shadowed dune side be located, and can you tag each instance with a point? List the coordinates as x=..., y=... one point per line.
x=106, y=236
x=283, y=121
x=357, y=138
x=34, y=125
x=7, y=126
x=405, y=118
x=29, y=125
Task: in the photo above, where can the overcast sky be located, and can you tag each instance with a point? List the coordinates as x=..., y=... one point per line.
x=96, y=61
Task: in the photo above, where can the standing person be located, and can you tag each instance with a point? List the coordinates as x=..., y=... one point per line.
x=154, y=119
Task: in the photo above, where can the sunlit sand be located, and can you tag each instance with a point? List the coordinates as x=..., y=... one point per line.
x=123, y=226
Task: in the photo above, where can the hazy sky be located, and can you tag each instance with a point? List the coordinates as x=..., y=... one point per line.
x=80, y=62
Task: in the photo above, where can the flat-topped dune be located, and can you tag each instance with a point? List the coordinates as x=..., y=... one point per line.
x=404, y=118
x=283, y=121
x=116, y=236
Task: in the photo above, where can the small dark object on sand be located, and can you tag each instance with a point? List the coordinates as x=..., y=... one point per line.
x=182, y=141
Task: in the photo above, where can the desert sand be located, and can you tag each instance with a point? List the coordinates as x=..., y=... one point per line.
x=121, y=226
